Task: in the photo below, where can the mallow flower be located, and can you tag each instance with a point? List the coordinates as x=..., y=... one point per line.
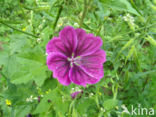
x=76, y=57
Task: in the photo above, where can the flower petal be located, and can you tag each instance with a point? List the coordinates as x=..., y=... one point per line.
x=80, y=33
x=56, y=45
x=87, y=44
x=55, y=60
x=80, y=77
x=58, y=63
x=64, y=80
x=69, y=38
x=93, y=63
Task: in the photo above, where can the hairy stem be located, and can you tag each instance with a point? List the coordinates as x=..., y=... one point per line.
x=58, y=16
x=19, y=30
x=84, y=13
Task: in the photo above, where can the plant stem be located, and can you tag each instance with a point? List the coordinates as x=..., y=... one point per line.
x=12, y=112
x=84, y=13
x=3, y=75
x=1, y=111
x=145, y=83
x=139, y=29
x=19, y=30
x=1, y=96
x=58, y=16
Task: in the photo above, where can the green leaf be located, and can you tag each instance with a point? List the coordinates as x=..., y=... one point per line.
x=35, y=54
x=3, y=58
x=22, y=111
x=30, y=72
x=84, y=104
x=124, y=47
x=131, y=51
x=18, y=43
x=74, y=114
x=121, y=5
x=129, y=7
x=28, y=66
x=50, y=83
x=151, y=40
x=56, y=102
x=137, y=60
x=44, y=105
x=135, y=7
x=110, y=104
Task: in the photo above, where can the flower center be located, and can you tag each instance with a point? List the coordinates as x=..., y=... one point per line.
x=73, y=60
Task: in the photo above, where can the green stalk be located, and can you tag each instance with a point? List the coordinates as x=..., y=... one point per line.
x=12, y=112
x=84, y=13
x=1, y=96
x=58, y=16
x=3, y=75
x=139, y=29
x=19, y=30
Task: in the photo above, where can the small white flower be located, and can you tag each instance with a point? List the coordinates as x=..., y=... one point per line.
x=129, y=18
x=38, y=40
x=73, y=90
x=91, y=94
x=125, y=18
x=102, y=109
x=27, y=99
x=76, y=24
x=128, y=15
x=30, y=99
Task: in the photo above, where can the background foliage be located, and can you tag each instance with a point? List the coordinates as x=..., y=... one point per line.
x=128, y=30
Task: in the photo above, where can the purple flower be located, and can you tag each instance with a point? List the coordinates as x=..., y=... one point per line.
x=76, y=57
x=73, y=95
